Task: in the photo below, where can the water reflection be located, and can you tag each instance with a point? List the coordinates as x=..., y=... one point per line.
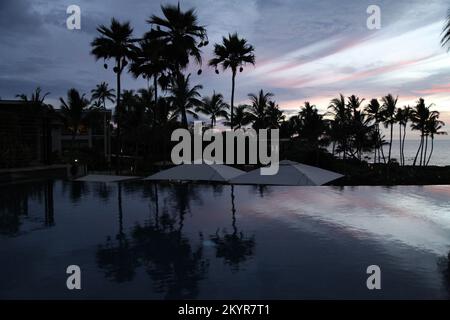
x=233, y=247
x=76, y=190
x=173, y=263
x=444, y=265
x=146, y=240
x=15, y=205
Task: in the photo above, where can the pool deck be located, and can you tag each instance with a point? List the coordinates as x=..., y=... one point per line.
x=106, y=178
x=34, y=172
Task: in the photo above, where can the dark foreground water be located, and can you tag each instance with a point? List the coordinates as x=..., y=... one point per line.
x=139, y=240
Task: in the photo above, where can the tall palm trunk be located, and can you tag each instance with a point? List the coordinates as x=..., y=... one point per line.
x=390, y=142
x=155, y=85
x=403, y=143
x=118, y=111
x=233, y=81
x=374, y=155
x=418, y=150
x=184, y=117
x=421, y=149
x=400, y=143
x=431, y=151
x=426, y=150
x=72, y=143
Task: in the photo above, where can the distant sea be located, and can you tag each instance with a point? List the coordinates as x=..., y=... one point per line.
x=440, y=157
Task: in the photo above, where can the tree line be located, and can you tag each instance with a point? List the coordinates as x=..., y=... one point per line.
x=144, y=118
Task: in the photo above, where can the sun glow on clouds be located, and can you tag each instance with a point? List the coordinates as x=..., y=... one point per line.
x=393, y=60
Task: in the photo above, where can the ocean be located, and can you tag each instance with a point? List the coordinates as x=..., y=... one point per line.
x=440, y=157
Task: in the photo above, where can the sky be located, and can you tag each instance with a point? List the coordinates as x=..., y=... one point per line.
x=305, y=50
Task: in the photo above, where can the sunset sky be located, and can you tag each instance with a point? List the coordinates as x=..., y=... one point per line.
x=305, y=50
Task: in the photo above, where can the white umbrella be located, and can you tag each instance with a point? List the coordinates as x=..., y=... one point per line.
x=198, y=172
x=290, y=173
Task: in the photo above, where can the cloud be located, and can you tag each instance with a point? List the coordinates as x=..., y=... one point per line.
x=305, y=50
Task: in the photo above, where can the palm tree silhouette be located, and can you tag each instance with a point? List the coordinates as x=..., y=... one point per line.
x=115, y=42
x=150, y=62
x=402, y=117
x=374, y=114
x=183, y=98
x=214, y=107
x=135, y=116
x=36, y=97
x=309, y=124
x=257, y=111
x=433, y=127
x=341, y=118
x=354, y=103
x=233, y=53
x=420, y=115
x=389, y=109
x=180, y=32
x=241, y=118
x=446, y=31
x=75, y=112
x=102, y=93
x=43, y=111
x=274, y=116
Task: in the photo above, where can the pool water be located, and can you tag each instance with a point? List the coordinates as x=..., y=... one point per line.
x=139, y=240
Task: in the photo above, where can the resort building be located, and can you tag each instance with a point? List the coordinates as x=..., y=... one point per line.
x=31, y=135
x=25, y=134
x=95, y=136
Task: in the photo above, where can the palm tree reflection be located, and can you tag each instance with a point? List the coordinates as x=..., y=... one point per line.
x=235, y=248
x=169, y=258
x=444, y=265
x=14, y=205
x=117, y=258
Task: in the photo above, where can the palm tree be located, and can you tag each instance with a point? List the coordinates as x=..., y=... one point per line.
x=214, y=107
x=181, y=34
x=374, y=114
x=150, y=62
x=102, y=93
x=75, y=112
x=274, y=116
x=42, y=110
x=36, y=97
x=115, y=42
x=183, y=98
x=433, y=127
x=389, y=109
x=340, y=125
x=241, y=117
x=233, y=53
x=354, y=103
x=257, y=111
x=446, y=32
x=402, y=117
x=419, y=117
x=310, y=125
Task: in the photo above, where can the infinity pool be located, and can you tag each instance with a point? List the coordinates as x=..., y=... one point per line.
x=145, y=241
